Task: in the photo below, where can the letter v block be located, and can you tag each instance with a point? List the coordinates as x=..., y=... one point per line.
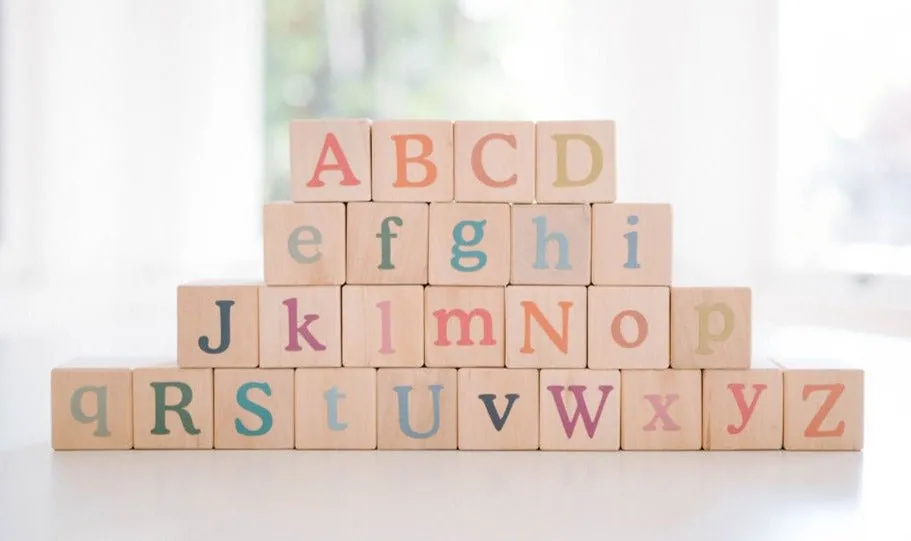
x=711, y=327
x=304, y=243
x=498, y=409
x=387, y=243
x=576, y=162
x=661, y=410
x=173, y=408
x=91, y=405
x=580, y=410
x=218, y=325
x=412, y=160
x=330, y=160
x=254, y=409
x=464, y=326
x=335, y=408
x=416, y=408
x=742, y=409
x=551, y=244
x=300, y=326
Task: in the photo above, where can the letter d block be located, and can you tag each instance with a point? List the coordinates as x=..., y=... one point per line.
x=469, y=244
x=91, y=408
x=742, y=409
x=412, y=160
x=304, y=243
x=172, y=408
x=494, y=161
x=576, y=162
x=330, y=160
x=254, y=409
x=580, y=410
x=711, y=327
x=661, y=410
x=416, y=408
x=335, y=408
x=217, y=325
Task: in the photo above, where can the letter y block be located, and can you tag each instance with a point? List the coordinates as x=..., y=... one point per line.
x=742, y=409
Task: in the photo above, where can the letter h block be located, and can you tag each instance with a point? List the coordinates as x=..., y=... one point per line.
x=91, y=406
x=218, y=325
x=173, y=408
x=304, y=243
x=711, y=328
x=551, y=244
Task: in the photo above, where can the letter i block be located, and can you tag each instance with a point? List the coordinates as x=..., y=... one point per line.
x=382, y=326
x=711, y=327
x=551, y=244
x=330, y=160
x=629, y=327
x=742, y=409
x=546, y=327
x=91, y=406
x=661, y=410
x=300, y=326
x=387, y=243
x=217, y=325
x=576, y=162
x=464, y=326
x=412, y=160
x=632, y=244
x=498, y=409
x=494, y=161
x=173, y=408
x=254, y=409
x=304, y=243
x=416, y=408
x=580, y=410
x=469, y=244
x=335, y=408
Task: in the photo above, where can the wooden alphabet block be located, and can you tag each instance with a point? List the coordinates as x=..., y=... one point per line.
x=469, y=244
x=387, y=243
x=546, y=326
x=412, y=160
x=416, y=408
x=91, y=405
x=335, y=408
x=742, y=409
x=711, y=327
x=330, y=160
x=304, y=243
x=498, y=409
x=218, y=325
x=629, y=327
x=632, y=244
x=661, y=410
x=300, y=326
x=580, y=410
x=464, y=326
x=494, y=161
x=551, y=244
x=576, y=162
x=254, y=409
x=381, y=326
x=173, y=408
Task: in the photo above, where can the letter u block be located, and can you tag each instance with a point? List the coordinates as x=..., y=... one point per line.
x=464, y=326
x=254, y=409
x=742, y=409
x=91, y=406
x=576, y=162
x=416, y=408
x=629, y=327
x=711, y=327
x=300, y=326
x=218, y=325
x=551, y=244
x=412, y=160
x=335, y=408
x=546, y=326
x=661, y=410
x=173, y=408
x=632, y=244
x=580, y=410
x=304, y=243
x=469, y=244
x=494, y=161
x=330, y=160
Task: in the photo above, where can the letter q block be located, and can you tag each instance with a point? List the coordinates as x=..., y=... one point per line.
x=330, y=160
x=412, y=160
x=91, y=405
x=304, y=243
x=711, y=327
x=494, y=162
x=576, y=162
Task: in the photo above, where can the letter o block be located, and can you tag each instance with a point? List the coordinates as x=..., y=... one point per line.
x=711, y=327
x=173, y=408
x=412, y=160
x=330, y=160
x=576, y=162
x=494, y=161
x=304, y=243
x=629, y=327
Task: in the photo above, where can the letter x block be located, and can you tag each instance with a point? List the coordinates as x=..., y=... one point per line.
x=304, y=243
x=576, y=162
x=580, y=410
x=387, y=243
x=742, y=409
x=254, y=409
x=91, y=406
x=173, y=408
x=498, y=409
x=469, y=244
x=330, y=160
x=416, y=408
x=711, y=327
x=494, y=161
x=661, y=410
x=335, y=408
x=218, y=325
x=412, y=160
x=300, y=326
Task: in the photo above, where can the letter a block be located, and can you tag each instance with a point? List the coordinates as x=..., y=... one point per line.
x=580, y=410
x=412, y=160
x=91, y=406
x=335, y=408
x=546, y=327
x=254, y=409
x=632, y=244
x=387, y=243
x=576, y=162
x=330, y=160
x=742, y=409
x=662, y=410
x=711, y=327
x=300, y=326
x=173, y=408
x=469, y=244
x=498, y=409
x=464, y=326
x=494, y=161
x=382, y=326
x=416, y=408
x=629, y=327
x=304, y=243
x=551, y=244
x=217, y=325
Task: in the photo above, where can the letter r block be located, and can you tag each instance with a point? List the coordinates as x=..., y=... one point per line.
x=335, y=408
x=300, y=326
x=91, y=407
x=254, y=409
x=330, y=160
x=387, y=243
x=416, y=408
x=661, y=410
x=711, y=327
x=742, y=409
x=412, y=160
x=304, y=243
x=551, y=244
x=173, y=408
x=576, y=162
x=494, y=161
x=464, y=326
x=469, y=244
x=580, y=410
x=218, y=325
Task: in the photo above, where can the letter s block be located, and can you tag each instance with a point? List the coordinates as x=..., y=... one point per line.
x=304, y=243
x=711, y=327
x=576, y=162
x=494, y=161
x=173, y=408
x=742, y=409
x=217, y=325
x=412, y=160
x=91, y=406
x=254, y=409
x=330, y=160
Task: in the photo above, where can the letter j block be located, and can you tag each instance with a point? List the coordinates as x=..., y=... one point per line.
x=218, y=325
x=330, y=160
x=91, y=407
x=711, y=327
x=173, y=408
x=304, y=243
x=576, y=162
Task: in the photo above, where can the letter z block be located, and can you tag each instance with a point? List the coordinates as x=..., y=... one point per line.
x=469, y=244
x=580, y=410
x=254, y=409
x=300, y=326
x=632, y=244
x=711, y=327
x=498, y=409
x=629, y=327
x=412, y=160
x=464, y=326
x=546, y=326
x=742, y=409
x=304, y=243
x=661, y=410
x=494, y=161
x=382, y=326
x=416, y=408
x=387, y=243
x=551, y=244
x=330, y=160
x=576, y=162
x=218, y=325
x=335, y=408
x=173, y=408
x=91, y=406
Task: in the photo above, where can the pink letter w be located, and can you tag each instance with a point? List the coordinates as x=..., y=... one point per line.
x=569, y=426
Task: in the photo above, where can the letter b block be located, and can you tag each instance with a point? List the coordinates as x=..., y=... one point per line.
x=217, y=325
x=91, y=407
x=576, y=162
x=304, y=243
x=711, y=327
x=412, y=160
x=172, y=408
x=330, y=160
x=469, y=244
x=254, y=409
x=416, y=408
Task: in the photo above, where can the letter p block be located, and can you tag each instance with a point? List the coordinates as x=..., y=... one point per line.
x=711, y=327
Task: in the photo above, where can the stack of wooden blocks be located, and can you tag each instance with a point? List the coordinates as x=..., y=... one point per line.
x=460, y=285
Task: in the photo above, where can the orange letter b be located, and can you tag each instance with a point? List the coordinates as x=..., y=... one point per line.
x=402, y=160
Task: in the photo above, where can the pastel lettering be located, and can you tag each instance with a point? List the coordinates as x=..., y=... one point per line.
x=295, y=241
x=460, y=242
x=180, y=408
x=386, y=235
x=560, y=340
x=243, y=400
x=100, y=417
x=330, y=144
x=597, y=164
x=578, y=392
x=224, y=318
x=477, y=162
x=498, y=421
x=705, y=334
x=332, y=396
x=746, y=410
x=464, y=318
x=814, y=429
x=661, y=412
x=543, y=239
x=421, y=159
x=616, y=329
x=402, y=393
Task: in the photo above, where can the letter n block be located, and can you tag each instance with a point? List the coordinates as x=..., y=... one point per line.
x=742, y=409
x=551, y=244
x=300, y=326
x=387, y=243
x=629, y=327
x=632, y=244
x=412, y=160
x=469, y=244
x=335, y=408
x=330, y=160
x=576, y=162
x=580, y=410
x=416, y=408
x=91, y=406
x=494, y=161
x=304, y=243
x=711, y=327
x=498, y=409
x=546, y=327
x=661, y=410
x=218, y=325
x=382, y=326
x=173, y=408
x=254, y=409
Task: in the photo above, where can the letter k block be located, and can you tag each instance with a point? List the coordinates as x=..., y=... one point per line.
x=300, y=326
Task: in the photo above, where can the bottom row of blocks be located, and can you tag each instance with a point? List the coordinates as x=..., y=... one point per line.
x=470, y=408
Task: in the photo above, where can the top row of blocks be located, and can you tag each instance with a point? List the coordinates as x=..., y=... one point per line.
x=439, y=160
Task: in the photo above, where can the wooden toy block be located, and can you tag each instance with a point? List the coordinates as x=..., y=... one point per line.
x=304, y=243
x=300, y=326
x=629, y=327
x=335, y=408
x=742, y=409
x=580, y=410
x=494, y=161
x=416, y=408
x=464, y=326
x=576, y=162
x=387, y=243
x=330, y=160
x=551, y=244
x=173, y=408
x=91, y=406
x=218, y=325
x=469, y=244
x=254, y=409
x=498, y=409
x=412, y=160
x=711, y=327
x=546, y=326
x=661, y=410
x=381, y=326
x=823, y=405
x=632, y=244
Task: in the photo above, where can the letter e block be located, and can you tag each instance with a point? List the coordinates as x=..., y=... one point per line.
x=494, y=161
x=382, y=326
x=742, y=409
x=300, y=326
x=469, y=244
x=330, y=160
x=546, y=327
x=551, y=244
x=464, y=326
x=254, y=409
x=304, y=243
x=173, y=408
x=580, y=410
x=387, y=243
x=335, y=408
x=498, y=409
x=629, y=327
x=661, y=410
x=632, y=244
x=711, y=327
x=412, y=160
x=416, y=408
x=218, y=325
x=91, y=406
x=576, y=162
